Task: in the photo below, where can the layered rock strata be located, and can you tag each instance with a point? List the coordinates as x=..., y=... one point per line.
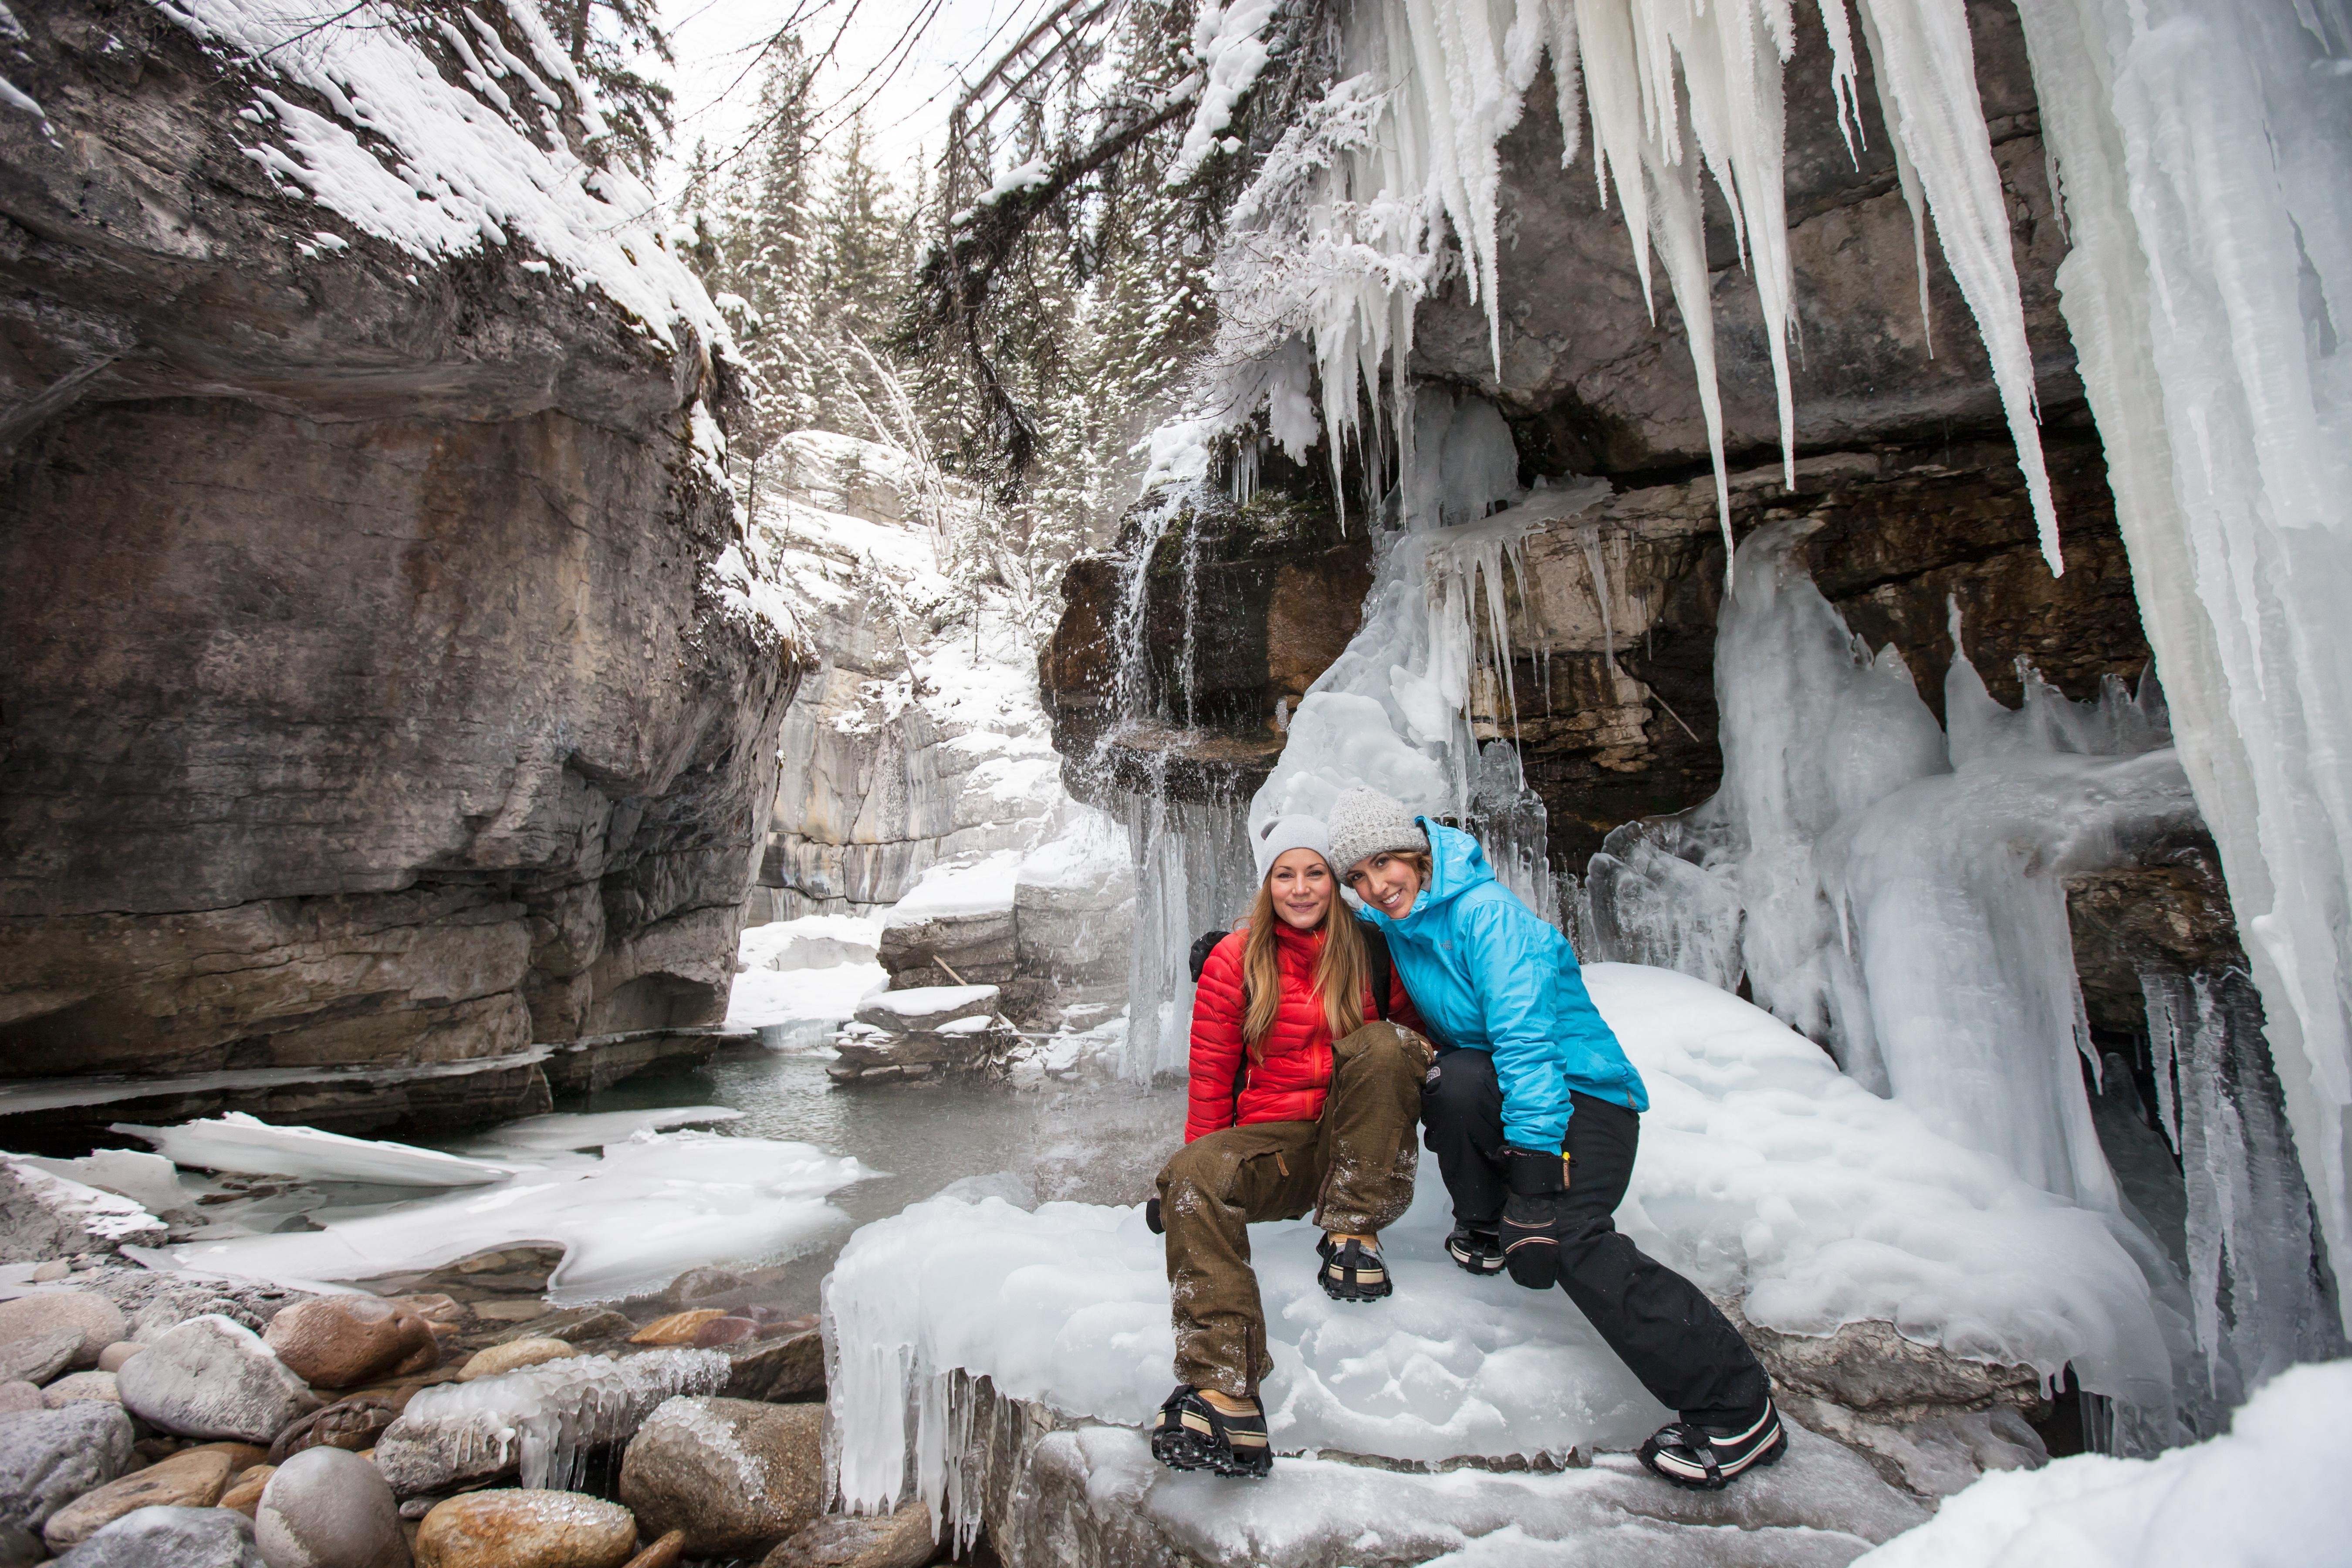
x=376, y=692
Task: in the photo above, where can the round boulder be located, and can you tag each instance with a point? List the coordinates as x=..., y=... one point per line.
x=194, y=1478
x=48, y=1457
x=38, y=1357
x=900, y=1539
x=513, y=1356
x=97, y=1321
x=170, y=1538
x=211, y=1377
x=352, y=1425
x=341, y=1341
x=526, y=1529
x=735, y=1475
x=325, y=1508
x=111, y=1358
x=79, y=1385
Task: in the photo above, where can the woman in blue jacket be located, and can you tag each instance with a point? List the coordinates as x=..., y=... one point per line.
x=1532, y=1111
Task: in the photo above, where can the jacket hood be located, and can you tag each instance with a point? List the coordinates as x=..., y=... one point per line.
x=1456, y=864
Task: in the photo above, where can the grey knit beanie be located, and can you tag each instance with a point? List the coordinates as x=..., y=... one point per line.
x=1364, y=822
x=1283, y=834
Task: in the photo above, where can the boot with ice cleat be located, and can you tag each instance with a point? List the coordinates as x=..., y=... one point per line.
x=1478, y=1252
x=1711, y=1458
x=1193, y=1434
x=1352, y=1269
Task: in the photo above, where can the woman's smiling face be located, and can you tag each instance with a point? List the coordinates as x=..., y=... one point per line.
x=1388, y=882
x=1301, y=884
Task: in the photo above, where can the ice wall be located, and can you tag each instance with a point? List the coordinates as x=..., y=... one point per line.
x=2204, y=151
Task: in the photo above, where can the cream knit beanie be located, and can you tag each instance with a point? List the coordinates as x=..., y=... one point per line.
x=1363, y=823
x=1283, y=834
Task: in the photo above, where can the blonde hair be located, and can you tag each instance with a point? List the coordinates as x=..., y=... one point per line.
x=1339, y=973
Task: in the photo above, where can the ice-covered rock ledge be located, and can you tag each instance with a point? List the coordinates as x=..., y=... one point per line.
x=1781, y=1185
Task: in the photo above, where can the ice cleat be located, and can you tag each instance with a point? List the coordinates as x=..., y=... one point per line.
x=1191, y=1434
x=1711, y=1458
x=1478, y=1252
x=1352, y=1271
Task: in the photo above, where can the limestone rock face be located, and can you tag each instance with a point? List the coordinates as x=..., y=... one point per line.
x=342, y=1341
x=48, y=1457
x=328, y=1509
x=171, y=1538
x=737, y=1477
x=398, y=712
x=526, y=1529
x=213, y=1378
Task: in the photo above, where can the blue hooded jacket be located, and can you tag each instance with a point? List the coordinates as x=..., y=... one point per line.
x=1486, y=975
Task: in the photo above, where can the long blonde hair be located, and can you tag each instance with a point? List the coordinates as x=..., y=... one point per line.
x=1339, y=973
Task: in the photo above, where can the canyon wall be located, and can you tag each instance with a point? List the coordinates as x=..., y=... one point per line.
x=385, y=682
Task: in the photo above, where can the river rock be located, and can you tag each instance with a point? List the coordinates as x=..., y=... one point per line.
x=434, y=1307
x=244, y=1493
x=677, y=1328
x=352, y=1425
x=79, y=1385
x=38, y=1357
x=736, y=1476
x=342, y=1341
x=328, y=1509
x=213, y=1378
x=524, y=1529
x=779, y=1370
x=708, y=1286
x=100, y=1321
x=18, y=1394
x=20, y=1548
x=513, y=1355
x=901, y=1539
x=111, y=1358
x=48, y=1457
x=170, y=1538
x=46, y=1215
x=721, y=1333
x=576, y=1325
x=667, y=1552
x=194, y=1478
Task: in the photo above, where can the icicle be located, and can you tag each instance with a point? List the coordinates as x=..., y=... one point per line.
x=1925, y=64
x=1906, y=176
x=1588, y=535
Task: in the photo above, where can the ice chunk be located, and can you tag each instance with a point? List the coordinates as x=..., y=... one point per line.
x=250, y=1146
x=544, y=1418
x=1764, y=1174
x=647, y=1211
x=2249, y=1496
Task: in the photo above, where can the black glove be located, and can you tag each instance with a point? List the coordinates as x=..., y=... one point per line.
x=1535, y=1216
x=1201, y=948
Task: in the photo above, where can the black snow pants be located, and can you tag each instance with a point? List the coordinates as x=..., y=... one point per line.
x=1661, y=1326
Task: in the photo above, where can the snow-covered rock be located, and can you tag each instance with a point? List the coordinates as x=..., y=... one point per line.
x=927, y=1008
x=956, y=926
x=813, y=942
x=45, y=1216
x=1764, y=1175
x=2263, y=1492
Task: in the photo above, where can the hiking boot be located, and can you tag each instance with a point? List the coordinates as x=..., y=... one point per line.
x=1710, y=1457
x=1191, y=1434
x=1352, y=1271
x=1478, y=1252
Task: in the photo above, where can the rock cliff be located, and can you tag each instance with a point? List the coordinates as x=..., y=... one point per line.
x=386, y=682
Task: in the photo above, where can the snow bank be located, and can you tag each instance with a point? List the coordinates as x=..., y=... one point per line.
x=2269, y=1491
x=801, y=1008
x=1763, y=1172
x=448, y=169
x=954, y=892
x=813, y=942
x=250, y=1146
x=648, y=1210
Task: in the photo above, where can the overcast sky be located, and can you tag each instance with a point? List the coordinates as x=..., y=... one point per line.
x=718, y=77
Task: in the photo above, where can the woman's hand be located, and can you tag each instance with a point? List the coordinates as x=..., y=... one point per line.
x=1535, y=1216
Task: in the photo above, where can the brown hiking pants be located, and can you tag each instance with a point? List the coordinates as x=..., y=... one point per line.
x=1354, y=1167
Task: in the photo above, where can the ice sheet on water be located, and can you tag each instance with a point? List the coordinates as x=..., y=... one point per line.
x=250, y=1146
x=2265, y=1492
x=565, y=1131
x=648, y=1210
x=1820, y=1505
x=1763, y=1172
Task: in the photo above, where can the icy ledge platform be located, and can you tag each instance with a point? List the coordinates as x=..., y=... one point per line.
x=1092, y=1497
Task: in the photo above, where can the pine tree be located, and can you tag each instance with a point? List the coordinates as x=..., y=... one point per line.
x=604, y=37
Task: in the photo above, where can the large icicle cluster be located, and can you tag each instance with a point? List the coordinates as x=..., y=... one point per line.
x=2204, y=151
x=1342, y=232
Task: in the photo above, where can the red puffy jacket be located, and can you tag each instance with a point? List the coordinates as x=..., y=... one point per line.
x=1293, y=1074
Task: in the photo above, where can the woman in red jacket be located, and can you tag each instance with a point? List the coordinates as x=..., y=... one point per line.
x=1297, y=1102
